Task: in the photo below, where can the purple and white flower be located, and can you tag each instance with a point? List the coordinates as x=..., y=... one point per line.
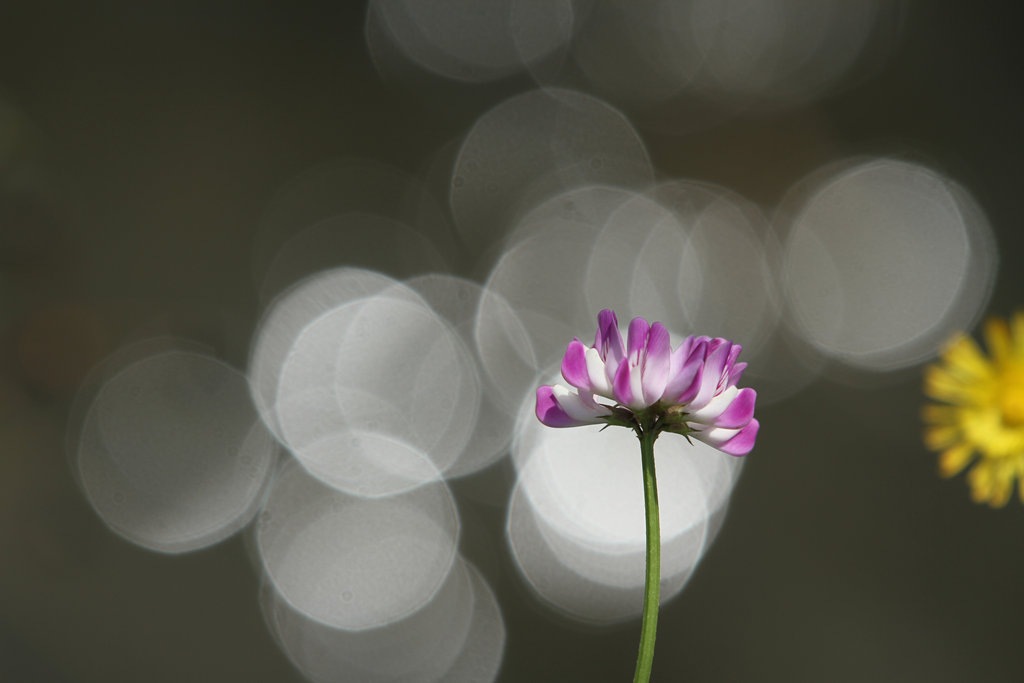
x=689, y=390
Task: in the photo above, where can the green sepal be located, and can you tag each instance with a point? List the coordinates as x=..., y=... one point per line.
x=620, y=417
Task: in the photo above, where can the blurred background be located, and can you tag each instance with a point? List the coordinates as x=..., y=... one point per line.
x=238, y=240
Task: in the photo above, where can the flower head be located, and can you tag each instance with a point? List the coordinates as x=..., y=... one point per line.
x=982, y=411
x=689, y=390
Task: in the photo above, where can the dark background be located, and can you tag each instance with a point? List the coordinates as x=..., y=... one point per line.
x=149, y=137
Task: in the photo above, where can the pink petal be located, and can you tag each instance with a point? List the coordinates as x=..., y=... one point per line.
x=739, y=412
x=639, y=329
x=574, y=366
x=655, y=369
x=736, y=373
x=549, y=412
x=687, y=394
x=713, y=366
x=679, y=356
x=734, y=353
x=742, y=443
x=606, y=321
x=608, y=340
x=559, y=406
x=681, y=387
x=622, y=385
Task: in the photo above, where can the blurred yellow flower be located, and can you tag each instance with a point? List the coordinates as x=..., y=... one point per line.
x=982, y=413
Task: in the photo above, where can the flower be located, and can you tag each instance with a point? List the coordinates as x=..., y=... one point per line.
x=690, y=390
x=982, y=413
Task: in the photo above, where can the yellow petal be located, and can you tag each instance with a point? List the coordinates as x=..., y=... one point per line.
x=1017, y=333
x=938, y=438
x=943, y=386
x=965, y=359
x=953, y=460
x=1002, y=486
x=980, y=478
x=997, y=338
x=939, y=415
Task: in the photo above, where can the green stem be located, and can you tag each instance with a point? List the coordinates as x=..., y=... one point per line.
x=652, y=578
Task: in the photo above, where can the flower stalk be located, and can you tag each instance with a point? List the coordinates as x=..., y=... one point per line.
x=652, y=576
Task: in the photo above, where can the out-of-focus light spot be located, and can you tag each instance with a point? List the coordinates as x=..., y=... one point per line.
x=472, y=40
x=356, y=563
x=350, y=212
x=457, y=301
x=694, y=256
x=883, y=260
x=378, y=396
x=637, y=54
x=171, y=453
x=457, y=637
x=290, y=314
x=535, y=292
x=506, y=350
x=727, y=282
x=484, y=649
x=547, y=283
x=536, y=296
x=733, y=294
x=637, y=259
x=533, y=146
x=586, y=207
x=682, y=65
x=576, y=521
x=781, y=49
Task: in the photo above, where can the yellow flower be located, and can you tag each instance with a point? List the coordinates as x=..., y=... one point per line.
x=982, y=413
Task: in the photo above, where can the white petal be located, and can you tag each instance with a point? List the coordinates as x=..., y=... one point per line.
x=716, y=436
x=636, y=386
x=715, y=406
x=598, y=374
x=575, y=406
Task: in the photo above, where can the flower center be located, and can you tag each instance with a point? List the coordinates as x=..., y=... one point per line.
x=1011, y=396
